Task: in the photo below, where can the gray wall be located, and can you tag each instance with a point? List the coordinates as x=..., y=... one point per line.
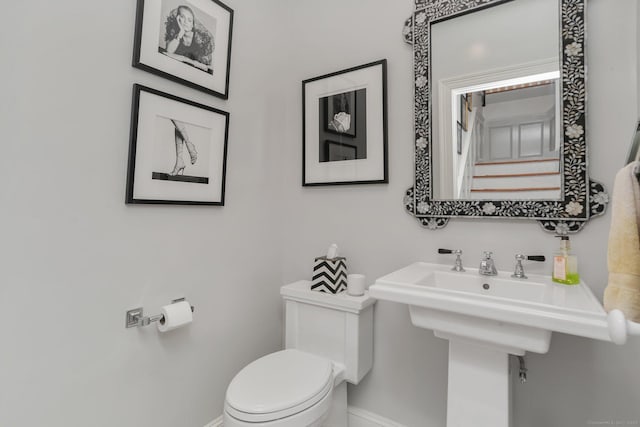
x=578, y=380
x=74, y=257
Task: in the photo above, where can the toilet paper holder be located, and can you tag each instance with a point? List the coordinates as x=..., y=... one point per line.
x=135, y=317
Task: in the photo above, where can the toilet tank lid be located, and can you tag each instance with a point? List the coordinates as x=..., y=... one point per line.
x=279, y=381
x=301, y=291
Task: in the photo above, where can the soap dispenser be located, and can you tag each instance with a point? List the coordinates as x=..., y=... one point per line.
x=565, y=264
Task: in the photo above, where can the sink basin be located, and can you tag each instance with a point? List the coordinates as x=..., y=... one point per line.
x=517, y=314
x=517, y=289
x=486, y=318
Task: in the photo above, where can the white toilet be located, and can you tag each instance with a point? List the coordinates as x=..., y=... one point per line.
x=329, y=342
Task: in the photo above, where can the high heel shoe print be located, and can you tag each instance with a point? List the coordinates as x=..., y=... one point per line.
x=178, y=169
x=193, y=153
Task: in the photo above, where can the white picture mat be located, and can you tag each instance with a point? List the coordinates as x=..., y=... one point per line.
x=145, y=188
x=149, y=55
x=369, y=169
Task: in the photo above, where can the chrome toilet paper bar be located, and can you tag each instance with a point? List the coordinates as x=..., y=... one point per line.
x=135, y=317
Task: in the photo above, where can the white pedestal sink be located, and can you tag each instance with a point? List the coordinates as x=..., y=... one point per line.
x=486, y=318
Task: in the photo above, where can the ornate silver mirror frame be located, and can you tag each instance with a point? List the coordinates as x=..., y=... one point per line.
x=582, y=198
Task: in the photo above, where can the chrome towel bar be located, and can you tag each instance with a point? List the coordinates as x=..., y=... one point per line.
x=620, y=328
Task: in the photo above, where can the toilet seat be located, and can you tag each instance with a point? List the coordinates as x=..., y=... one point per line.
x=279, y=385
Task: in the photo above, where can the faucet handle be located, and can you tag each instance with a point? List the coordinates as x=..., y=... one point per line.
x=449, y=251
x=519, y=270
x=458, y=263
x=522, y=257
x=487, y=255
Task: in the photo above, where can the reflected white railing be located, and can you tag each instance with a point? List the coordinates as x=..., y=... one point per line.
x=464, y=178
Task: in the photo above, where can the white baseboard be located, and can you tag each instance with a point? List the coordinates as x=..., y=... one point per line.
x=361, y=418
x=357, y=418
x=215, y=423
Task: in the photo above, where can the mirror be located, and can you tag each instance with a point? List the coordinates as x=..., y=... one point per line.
x=500, y=113
x=485, y=149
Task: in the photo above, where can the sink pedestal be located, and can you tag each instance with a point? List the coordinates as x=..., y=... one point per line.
x=479, y=385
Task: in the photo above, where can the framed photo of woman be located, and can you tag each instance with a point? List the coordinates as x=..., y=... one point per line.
x=187, y=41
x=177, y=150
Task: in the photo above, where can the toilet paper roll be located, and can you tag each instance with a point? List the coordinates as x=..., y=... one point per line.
x=175, y=316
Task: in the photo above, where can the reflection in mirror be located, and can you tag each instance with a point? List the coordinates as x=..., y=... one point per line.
x=496, y=103
x=507, y=143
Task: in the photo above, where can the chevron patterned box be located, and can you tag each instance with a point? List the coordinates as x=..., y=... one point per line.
x=329, y=275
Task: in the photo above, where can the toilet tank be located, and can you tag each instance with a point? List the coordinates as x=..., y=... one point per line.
x=338, y=327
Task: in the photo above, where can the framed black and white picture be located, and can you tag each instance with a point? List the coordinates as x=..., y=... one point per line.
x=464, y=112
x=340, y=112
x=188, y=41
x=345, y=127
x=177, y=150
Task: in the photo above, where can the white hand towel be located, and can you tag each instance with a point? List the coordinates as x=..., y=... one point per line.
x=623, y=289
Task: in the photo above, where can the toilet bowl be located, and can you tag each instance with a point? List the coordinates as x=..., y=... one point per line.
x=286, y=388
x=329, y=341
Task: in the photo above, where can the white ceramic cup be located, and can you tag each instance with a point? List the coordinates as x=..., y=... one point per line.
x=355, y=284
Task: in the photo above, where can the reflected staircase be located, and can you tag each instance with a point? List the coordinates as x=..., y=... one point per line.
x=517, y=179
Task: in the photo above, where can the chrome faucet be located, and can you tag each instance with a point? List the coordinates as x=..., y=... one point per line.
x=487, y=267
x=519, y=270
x=457, y=266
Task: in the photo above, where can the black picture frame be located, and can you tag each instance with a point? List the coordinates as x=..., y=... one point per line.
x=367, y=86
x=464, y=112
x=177, y=150
x=202, y=57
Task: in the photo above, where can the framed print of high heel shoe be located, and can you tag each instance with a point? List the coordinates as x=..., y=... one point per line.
x=177, y=150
